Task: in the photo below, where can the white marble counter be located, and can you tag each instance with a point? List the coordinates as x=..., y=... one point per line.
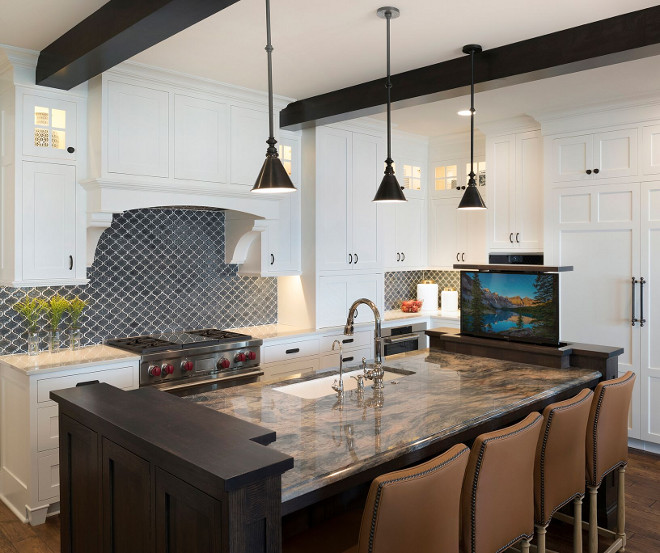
x=397, y=314
x=65, y=359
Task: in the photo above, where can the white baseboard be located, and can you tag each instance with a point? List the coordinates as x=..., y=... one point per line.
x=644, y=446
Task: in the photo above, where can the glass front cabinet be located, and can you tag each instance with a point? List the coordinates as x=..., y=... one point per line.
x=49, y=128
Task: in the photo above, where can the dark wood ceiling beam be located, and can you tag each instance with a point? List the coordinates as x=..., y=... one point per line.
x=622, y=38
x=114, y=33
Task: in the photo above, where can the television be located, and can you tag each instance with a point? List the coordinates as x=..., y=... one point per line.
x=515, y=306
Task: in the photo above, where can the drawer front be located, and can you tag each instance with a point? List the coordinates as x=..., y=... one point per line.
x=291, y=350
x=352, y=359
x=121, y=377
x=290, y=369
x=359, y=340
x=49, y=476
x=48, y=433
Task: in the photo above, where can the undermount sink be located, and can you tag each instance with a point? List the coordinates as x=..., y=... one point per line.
x=321, y=387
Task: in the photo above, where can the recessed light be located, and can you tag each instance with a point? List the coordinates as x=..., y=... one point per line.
x=465, y=112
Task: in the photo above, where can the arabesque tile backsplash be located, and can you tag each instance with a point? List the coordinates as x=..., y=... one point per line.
x=402, y=285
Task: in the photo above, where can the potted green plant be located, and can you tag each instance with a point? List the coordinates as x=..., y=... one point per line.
x=75, y=309
x=57, y=306
x=31, y=309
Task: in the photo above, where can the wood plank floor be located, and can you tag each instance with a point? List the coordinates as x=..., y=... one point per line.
x=642, y=513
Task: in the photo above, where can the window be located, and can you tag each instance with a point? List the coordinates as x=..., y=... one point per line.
x=286, y=155
x=446, y=177
x=479, y=172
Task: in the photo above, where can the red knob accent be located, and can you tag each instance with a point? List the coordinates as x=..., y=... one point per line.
x=251, y=355
x=187, y=366
x=168, y=369
x=240, y=358
x=225, y=363
x=154, y=371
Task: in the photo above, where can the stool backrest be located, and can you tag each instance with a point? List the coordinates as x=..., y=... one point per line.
x=559, y=470
x=607, y=428
x=417, y=509
x=498, y=491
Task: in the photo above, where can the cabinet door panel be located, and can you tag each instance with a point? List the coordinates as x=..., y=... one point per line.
x=443, y=233
x=615, y=153
x=472, y=237
x=364, y=286
x=331, y=301
x=49, y=128
x=363, y=211
x=200, y=139
x=332, y=182
x=502, y=192
x=410, y=222
x=389, y=244
x=249, y=131
x=138, y=130
x=529, y=192
x=651, y=154
x=650, y=362
x=572, y=156
x=49, y=221
x=49, y=477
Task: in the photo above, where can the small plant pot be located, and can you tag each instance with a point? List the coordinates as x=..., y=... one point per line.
x=53, y=341
x=75, y=337
x=33, y=342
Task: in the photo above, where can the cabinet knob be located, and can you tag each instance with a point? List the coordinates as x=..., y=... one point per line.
x=588, y=171
x=596, y=171
x=70, y=149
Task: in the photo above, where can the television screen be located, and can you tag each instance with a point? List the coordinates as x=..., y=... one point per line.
x=512, y=306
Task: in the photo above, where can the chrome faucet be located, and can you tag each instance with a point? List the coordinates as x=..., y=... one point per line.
x=339, y=386
x=376, y=374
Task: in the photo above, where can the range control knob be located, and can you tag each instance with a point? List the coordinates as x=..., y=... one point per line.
x=154, y=370
x=224, y=363
x=251, y=355
x=186, y=366
x=240, y=358
x=167, y=369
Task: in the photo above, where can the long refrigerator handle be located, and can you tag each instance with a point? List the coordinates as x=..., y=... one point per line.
x=642, y=320
x=634, y=319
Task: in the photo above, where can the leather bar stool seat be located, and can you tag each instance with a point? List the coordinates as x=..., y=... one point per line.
x=498, y=491
x=411, y=510
x=559, y=471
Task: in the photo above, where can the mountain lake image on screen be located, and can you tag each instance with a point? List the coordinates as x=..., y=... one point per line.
x=511, y=306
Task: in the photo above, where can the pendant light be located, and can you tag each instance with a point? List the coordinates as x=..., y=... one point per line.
x=471, y=198
x=272, y=178
x=389, y=190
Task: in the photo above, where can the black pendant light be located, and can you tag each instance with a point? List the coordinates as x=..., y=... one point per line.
x=272, y=178
x=471, y=198
x=389, y=189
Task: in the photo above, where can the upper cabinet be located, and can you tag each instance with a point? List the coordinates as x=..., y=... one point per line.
x=348, y=172
x=249, y=131
x=404, y=235
x=49, y=128
x=595, y=156
x=515, y=192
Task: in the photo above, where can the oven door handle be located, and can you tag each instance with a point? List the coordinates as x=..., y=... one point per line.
x=403, y=338
x=251, y=374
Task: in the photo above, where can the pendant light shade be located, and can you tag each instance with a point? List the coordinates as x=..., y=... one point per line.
x=389, y=189
x=472, y=198
x=272, y=178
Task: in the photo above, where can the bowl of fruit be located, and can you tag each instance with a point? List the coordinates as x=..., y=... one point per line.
x=411, y=306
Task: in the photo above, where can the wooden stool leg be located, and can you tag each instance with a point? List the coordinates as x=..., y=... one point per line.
x=577, y=525
x=621, y=508
x=524, y=548
x=593, y=519
x=540, y=538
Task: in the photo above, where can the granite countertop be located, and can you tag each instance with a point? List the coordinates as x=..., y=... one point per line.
x=396, y=314
x=448, y=393
x=65, y=359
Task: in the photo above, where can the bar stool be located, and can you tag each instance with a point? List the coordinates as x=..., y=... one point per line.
x=559, y=472
x=607, y=450
x=498, y=491
x=415, y=509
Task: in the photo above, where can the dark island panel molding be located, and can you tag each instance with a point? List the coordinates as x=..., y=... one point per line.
x=621, y=38
x=114, y=33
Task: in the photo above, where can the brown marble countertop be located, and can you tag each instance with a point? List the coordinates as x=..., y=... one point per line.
x=446, y=394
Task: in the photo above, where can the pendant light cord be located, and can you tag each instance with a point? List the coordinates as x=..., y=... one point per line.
x=472, y=181
x=269, y=49
x=388, y=16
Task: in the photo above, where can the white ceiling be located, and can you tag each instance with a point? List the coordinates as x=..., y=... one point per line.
x=324, y=46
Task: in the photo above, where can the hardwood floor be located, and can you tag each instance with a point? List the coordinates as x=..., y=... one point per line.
x=642, y=518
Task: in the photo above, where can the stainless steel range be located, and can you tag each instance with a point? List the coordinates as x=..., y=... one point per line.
x=195, y=360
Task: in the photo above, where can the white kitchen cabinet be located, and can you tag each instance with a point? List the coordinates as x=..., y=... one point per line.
x=404, y=235
x=201, y=139
x=515, y=192
x=593, y=156
x=49, y=128
x=349, y=166
x=138, y=130
x=49, y=221
x=651, y=149
x=337, y=293
x=249, y=131
x=455, y=235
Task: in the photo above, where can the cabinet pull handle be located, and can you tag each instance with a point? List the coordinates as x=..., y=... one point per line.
x=70, y=263
x=87, y=383
x=463, y=256
x=347, y=359
x=70, y=149
x=457, y=257
x=272, y=259
x=403, y=256
x=347, y=341
x=518, y=237
x=350, y=258
x=634, y=319
x=294, y=350
x=511, y=237
x=596, y=171
x=398, y=256
x=642, y=320
x=356, y=259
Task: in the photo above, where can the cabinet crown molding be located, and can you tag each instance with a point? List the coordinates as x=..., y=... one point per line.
x=511, y=125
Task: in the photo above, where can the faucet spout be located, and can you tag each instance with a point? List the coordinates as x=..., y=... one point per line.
x=377, y=373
